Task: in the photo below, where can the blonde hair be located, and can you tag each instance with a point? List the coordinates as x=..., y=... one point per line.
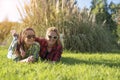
x=54, y=29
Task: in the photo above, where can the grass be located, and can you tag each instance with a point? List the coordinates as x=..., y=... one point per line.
x=73, y=66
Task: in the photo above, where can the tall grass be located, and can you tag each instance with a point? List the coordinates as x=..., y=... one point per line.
x=5, y=28
x=81, y=33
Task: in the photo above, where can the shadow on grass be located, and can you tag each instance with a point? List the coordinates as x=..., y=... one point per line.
x=73, y=61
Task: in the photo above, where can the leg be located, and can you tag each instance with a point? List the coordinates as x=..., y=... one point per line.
x=12, y=47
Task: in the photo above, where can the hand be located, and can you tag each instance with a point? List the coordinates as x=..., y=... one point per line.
x=30, y=59
x=53, y=62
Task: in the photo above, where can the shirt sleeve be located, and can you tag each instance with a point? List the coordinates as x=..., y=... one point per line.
x=35, y=51
x=58, y=53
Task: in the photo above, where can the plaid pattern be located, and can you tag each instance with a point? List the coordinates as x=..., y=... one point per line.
x=55, y=53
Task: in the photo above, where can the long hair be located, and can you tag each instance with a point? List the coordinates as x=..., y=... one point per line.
x=54, y=29
x=20, y=43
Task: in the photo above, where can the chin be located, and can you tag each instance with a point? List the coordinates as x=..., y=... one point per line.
x=52, y=43
x=30, y=43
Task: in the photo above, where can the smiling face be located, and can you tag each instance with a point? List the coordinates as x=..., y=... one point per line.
x=51, y=38
x=29, y=37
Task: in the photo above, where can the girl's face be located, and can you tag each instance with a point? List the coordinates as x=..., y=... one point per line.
x=29, y=37
x=51, y=37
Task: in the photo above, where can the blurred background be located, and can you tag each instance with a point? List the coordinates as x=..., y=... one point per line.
x=86, y=26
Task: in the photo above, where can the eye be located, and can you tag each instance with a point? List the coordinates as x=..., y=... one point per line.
x=30, y=36
x=55, y=37
x=52, y=37
x=49, y=37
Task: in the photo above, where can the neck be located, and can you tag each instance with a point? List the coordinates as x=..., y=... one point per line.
x=50, y=46
x=27, y=46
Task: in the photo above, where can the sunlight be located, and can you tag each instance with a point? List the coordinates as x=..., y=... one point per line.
x=8, y=9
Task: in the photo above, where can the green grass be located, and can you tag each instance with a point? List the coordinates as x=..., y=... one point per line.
x=87, y=66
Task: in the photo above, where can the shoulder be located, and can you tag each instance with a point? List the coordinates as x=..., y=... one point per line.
x=40, y=39
x=58, y=47
x=36, y=44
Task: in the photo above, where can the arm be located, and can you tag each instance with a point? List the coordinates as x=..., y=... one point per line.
x=28, y=60
x=58, y=53
x=33, y=53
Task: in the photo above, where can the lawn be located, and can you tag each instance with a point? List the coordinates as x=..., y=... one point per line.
x=73, y=66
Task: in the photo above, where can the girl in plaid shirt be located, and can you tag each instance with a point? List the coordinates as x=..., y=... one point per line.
x=51, y=47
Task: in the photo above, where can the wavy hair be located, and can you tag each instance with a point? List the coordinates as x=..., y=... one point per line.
x=20, y=43
x=54, y=29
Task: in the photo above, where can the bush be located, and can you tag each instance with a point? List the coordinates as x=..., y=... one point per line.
x=81, y=33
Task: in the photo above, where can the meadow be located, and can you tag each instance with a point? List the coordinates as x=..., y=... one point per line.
x=73, y=66
x=85, y=30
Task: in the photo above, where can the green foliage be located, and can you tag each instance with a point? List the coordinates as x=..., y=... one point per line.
x=82, y=30
x=118, y=32
x=115, y=11
x=103, y=15
x=98, y=66
x=87, y=36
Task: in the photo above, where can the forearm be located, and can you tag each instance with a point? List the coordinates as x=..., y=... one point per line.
x=28, y=60
x=57, y=56
x=24, y=60
x=36, y=52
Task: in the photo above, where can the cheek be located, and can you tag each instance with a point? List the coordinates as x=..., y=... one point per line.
x=52, y=41
x=47, y=38
x=25, y=40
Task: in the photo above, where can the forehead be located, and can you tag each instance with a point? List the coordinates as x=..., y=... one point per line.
x=52, y=33
x=29, y=32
